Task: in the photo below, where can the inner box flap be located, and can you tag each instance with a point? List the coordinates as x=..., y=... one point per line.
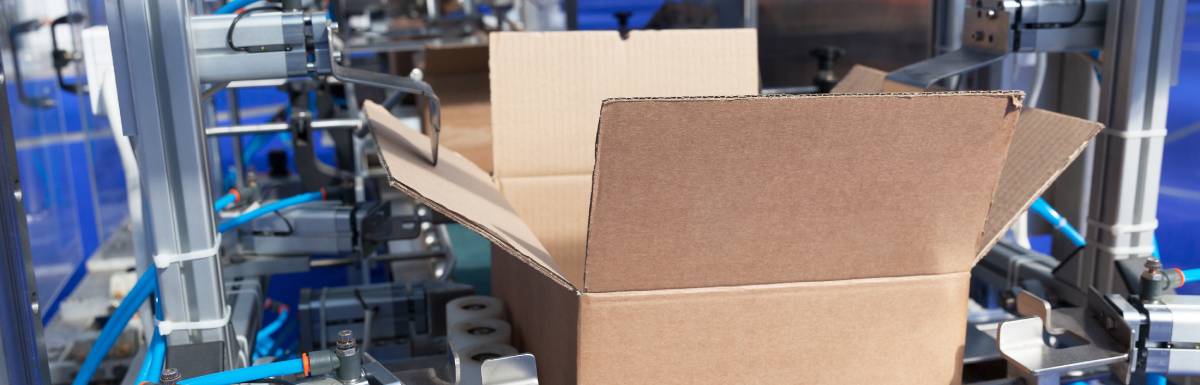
x=701, y=192
x=547, y=86
x=1044, y=144
x=455, y=187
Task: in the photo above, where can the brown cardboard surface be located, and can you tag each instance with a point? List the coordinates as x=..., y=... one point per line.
x=1043, y=145
x=460, y=59
x=860, y=79
x=455, y=187
x=765, y=189
x=459, y=74
x=801, y=333
x=544, y=315
x=556, y=209
x=547, y=87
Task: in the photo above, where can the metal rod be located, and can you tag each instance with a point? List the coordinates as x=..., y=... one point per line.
x=328, y=124
x=235, y=119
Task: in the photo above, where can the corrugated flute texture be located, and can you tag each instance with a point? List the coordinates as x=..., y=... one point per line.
x=762, y=189
x=1044, y=144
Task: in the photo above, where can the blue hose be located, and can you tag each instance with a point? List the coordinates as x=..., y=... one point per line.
x=225, y=201
x=262, y=340
x=247, y=374
x=152, y=363
x=1156, y=379
x=1043, y=209
x=116, y=323
x=269, y=208
x=233, y=6
x=1191, y=275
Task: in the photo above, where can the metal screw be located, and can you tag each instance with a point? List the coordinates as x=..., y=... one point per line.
x=170, y=376
x=345, y=340
x=1153, y=265
x=991, y=13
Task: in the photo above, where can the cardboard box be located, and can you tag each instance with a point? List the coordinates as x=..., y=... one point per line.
x=730, y=239
x=459, y=75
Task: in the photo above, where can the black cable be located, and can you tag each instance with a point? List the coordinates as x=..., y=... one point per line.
x=286, y=221
x=236, y=19
x=1078, y=18
x=1067, y=259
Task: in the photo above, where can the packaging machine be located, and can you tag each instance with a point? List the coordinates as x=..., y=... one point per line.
x=184, y=293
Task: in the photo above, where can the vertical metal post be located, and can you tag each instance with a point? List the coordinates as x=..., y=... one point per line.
x=1141, y=48
x=158, y=86
x=22, y=357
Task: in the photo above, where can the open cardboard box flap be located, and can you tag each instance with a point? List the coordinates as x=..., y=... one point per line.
x=1043, y=145
x=701, y=192
x=754, y=189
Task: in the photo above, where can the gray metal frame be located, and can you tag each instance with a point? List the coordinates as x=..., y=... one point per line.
x=156, y=76
x=1141, y=57
x=22, y=357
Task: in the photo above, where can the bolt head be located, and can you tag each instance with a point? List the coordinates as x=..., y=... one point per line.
x=1153, y=265
x=345, y=341
x=170, y=376
x=991, y=13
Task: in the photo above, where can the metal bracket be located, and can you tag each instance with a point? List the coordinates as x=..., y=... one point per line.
x=392, y=82
x=520, y=369
x=986, y=40
x=1080, y=345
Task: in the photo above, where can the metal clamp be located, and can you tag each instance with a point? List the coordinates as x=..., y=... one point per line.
x=398, y=83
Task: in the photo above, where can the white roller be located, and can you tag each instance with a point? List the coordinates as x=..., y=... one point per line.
x=472, y=308
x=469, y=333
x=469, y=361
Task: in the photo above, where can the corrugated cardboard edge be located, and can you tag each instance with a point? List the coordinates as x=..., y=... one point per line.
x=1032, y=116
x=866, y=79
x=375, y=113
x=1014, y=99
x=544, y=315
x=744, y=334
